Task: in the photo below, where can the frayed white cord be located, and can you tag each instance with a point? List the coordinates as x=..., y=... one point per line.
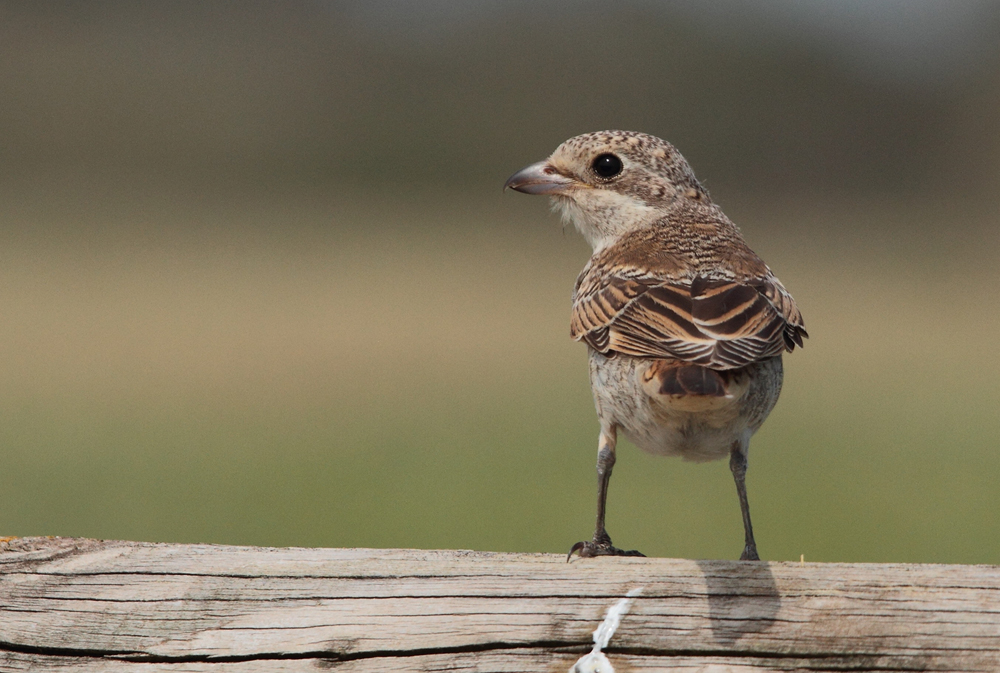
x=595, y=661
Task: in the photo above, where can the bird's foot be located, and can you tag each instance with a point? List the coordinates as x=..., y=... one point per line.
x=749, y=553
x=600, y=546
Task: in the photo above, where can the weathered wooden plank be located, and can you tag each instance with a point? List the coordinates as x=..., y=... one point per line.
x=496, y=661
x=122, y=606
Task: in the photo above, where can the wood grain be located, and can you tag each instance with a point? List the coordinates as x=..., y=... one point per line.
x=88, y=605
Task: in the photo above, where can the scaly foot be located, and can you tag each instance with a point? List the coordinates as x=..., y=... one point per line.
x=600, y=546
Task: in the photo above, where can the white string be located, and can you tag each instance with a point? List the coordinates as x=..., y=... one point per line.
x=595, y=661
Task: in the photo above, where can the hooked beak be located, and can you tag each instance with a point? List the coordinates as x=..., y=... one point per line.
x=540, y=178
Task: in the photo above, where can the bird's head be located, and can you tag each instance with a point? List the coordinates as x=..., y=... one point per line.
x=610, y=183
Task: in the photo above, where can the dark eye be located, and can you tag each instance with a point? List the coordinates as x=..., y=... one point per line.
x=607, y=165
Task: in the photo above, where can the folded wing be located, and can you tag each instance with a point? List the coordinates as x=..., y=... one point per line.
x=720, y=324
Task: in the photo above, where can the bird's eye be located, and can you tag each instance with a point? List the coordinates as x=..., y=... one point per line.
x=607, y=165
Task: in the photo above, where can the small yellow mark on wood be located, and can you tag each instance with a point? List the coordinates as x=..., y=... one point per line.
x=8, y=539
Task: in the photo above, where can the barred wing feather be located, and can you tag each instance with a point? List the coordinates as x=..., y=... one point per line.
x=721, y=324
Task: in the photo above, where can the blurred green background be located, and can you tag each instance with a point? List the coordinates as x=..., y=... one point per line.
x=259, y=283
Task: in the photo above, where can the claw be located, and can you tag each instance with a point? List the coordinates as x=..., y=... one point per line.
x=590, y=549
x=578, y=547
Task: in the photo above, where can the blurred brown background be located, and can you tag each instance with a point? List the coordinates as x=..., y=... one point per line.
x=260, y=284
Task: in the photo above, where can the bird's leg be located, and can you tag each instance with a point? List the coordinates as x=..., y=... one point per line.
x=738, y=466
x=605, y=464
x=601, y=544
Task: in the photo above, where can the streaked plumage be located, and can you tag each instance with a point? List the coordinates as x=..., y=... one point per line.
x=645, y=308
x=685, y=324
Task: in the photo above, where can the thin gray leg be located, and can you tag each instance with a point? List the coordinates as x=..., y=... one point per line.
x=605, y=464
x=738, y=466
x=601, y=545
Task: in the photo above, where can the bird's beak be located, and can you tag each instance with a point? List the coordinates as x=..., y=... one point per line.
x=540, y=178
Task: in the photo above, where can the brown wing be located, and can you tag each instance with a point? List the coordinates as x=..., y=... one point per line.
x=721, y=324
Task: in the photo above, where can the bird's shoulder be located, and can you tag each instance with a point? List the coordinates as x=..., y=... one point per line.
x=710, y=301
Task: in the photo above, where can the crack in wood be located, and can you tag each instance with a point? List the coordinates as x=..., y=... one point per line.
x=139, y=657
x=561, y=647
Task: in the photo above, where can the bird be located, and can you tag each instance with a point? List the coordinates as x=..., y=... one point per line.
x=684, y=324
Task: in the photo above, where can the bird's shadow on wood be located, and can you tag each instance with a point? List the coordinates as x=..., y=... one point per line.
x=742, y=598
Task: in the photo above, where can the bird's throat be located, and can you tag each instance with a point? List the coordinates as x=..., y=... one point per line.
x=602, y=217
